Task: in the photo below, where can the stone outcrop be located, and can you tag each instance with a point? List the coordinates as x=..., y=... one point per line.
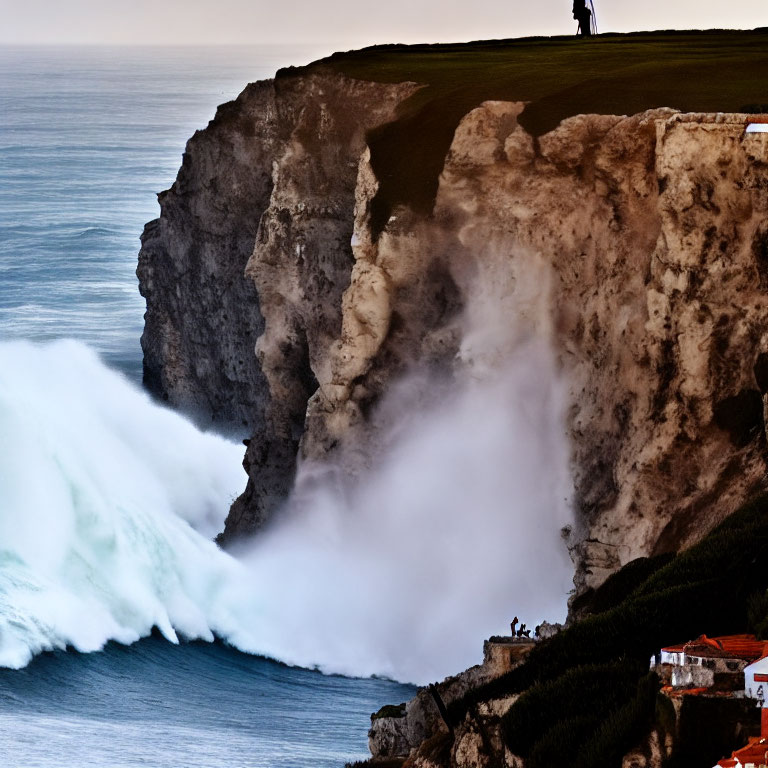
x=654, y=227
x=419, y=732
x=276, y=305
x=203, y=318
x=244, y=271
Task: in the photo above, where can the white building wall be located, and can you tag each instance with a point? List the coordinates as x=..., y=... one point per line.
x=753, y=688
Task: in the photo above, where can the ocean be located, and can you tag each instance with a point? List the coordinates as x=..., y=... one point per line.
x=104, y=528
x=197, y=706
x=127, y=637
x=88, y=137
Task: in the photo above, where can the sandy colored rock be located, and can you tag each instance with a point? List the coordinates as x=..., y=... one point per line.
x=275, y=305
x=654, y=228
x=244, y=271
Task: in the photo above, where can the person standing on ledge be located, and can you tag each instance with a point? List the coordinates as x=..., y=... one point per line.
x=583, y=15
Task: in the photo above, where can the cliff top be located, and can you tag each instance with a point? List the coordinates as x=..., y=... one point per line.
x=621, y=74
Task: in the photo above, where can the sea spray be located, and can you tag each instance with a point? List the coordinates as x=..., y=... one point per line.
x=100, y=495
x=108, y=503
x=457, y=525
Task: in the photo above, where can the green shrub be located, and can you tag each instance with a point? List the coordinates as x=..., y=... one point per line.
x=705, y=589
x=618, y=586
x=560, y=742
x=389, y=710
x=622, y=730
x=605, y=686
x=606, y=713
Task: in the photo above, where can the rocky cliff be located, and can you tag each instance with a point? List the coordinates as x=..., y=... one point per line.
x=283, y=305
x=245, y=269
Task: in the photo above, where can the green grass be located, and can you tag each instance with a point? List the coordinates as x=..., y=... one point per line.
x=712, y=71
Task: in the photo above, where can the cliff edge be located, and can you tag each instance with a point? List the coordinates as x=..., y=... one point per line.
x=321, y=235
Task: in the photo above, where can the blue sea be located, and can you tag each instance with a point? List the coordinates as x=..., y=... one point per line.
x=202, y=705
x=111, y=592
x=127, y=637
x=88, y=137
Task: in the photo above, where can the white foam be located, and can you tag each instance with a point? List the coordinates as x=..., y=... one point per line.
x=108, y=503
x=99, y=493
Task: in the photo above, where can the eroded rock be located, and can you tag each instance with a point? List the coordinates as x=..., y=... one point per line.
x=274, y=303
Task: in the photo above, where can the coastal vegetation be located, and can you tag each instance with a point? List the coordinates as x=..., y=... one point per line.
x=587, y=697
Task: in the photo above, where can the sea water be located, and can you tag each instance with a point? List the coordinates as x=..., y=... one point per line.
x=201, y=705
x=91, y=493
x=109, y=580
x=88, y=137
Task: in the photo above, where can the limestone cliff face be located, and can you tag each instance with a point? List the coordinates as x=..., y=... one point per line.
x=655, y=227
x=244, y=270
x=202, y=317
x=273, y=302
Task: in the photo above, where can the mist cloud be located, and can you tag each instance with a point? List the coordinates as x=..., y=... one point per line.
x=454, y=530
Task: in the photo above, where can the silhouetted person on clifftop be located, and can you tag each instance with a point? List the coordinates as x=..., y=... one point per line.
x=583, y=15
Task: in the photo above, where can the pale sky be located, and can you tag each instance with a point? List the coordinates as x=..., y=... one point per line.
x=350, y=23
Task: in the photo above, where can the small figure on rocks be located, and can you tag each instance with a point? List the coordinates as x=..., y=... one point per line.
x=513, y=624
x=583, y=15
x=521, y=631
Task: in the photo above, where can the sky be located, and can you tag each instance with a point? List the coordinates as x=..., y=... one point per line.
x=346, y=23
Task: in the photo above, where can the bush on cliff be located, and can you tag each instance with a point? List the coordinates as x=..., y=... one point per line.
x=622, y=729
x=705, y=589
x=551, y=725
x=543, y=708
x=618, y=586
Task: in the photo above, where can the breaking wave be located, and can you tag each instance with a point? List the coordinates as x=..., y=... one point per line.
x=108, y=504
x=106, y=501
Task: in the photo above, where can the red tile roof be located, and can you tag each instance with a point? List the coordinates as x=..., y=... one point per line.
x=746, y=647
x=755, y=752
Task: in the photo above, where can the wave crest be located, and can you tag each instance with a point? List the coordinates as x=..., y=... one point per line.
x=107, y=500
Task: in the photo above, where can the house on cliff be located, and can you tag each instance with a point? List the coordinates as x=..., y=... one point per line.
x=758, y=124
x=756, y=681
x=755, y=674
x=709, y=664
x=754, y=755
x=722, y=674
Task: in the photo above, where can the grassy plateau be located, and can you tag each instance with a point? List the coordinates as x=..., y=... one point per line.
x=693, y=71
